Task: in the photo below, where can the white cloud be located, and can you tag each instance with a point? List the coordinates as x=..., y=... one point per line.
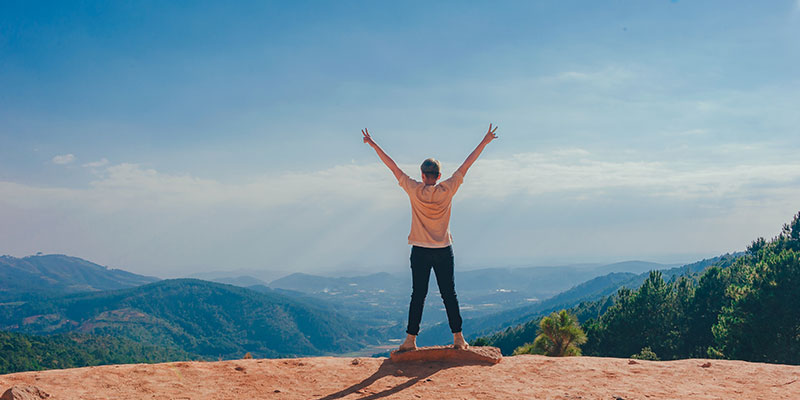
x=606, y=76
x=572, y=76
x=533, y=174
x=97, y=164
x=568, y=171
x=356, y=213
x=63, y=159
x=129, y=184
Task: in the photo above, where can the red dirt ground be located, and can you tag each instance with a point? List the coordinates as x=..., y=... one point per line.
x=519, y=377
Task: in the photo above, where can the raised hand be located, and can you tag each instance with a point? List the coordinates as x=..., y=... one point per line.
x=367, y=138
x=398, y=173
x=490, y=134
x=477, y=152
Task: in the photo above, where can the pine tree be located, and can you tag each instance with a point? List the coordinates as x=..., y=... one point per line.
x=560, y=335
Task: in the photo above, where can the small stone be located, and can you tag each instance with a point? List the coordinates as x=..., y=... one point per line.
x=705, y=365
x=24, y=392
x=276, y=391
x=355, y=361
x=632, y=362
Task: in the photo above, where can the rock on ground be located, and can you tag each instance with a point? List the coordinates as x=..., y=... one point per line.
x=487, y=354
x=24, y=392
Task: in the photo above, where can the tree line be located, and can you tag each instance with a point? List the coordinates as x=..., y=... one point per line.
x=745, y=308
x=22, y=352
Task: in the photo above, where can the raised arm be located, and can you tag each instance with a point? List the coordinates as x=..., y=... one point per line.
x=477, y=152
x=398, y=173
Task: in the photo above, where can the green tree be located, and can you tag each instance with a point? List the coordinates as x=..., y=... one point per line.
x=653, y=316
x=646, y=354
x=560, y=335
x=706, y=305
x=762, y=320
x=21, y=352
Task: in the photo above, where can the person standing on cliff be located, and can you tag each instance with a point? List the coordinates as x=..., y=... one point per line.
x=430, y=236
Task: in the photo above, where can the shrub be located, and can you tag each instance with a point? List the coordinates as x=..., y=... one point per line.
x=646, y=354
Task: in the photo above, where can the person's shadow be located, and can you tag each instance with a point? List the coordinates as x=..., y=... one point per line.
x=415, y=371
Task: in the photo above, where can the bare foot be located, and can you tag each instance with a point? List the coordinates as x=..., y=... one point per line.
x=409, y=344
x=459, y=342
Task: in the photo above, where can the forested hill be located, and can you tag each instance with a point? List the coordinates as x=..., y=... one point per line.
x=587, y=300
x=747, y=311
x=201, y=317
x=591, y=290
x=56, y=274
x=745, y=308
x=22, y=352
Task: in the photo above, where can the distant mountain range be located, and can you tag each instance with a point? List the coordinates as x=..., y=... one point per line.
x=381, y=299
x=542, y=281
x=308, y=283
x=51, y=275
x=241, y=276
x=298, y=314
x=200, y=317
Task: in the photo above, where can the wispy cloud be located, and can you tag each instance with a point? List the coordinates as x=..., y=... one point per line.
x=530, y=174
x=604, y=77
x=97, y=164
x=358, y=213
x=63, y=159
x=535, y=174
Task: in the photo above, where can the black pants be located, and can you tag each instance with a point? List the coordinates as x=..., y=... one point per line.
x=441, y=259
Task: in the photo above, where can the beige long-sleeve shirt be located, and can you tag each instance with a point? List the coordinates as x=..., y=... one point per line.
x=430, y=210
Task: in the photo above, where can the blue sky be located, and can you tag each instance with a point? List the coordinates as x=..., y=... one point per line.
x=168, y=139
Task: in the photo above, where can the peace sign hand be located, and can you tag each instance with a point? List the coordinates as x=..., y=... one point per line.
x=490, y=134
x=367, y=138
